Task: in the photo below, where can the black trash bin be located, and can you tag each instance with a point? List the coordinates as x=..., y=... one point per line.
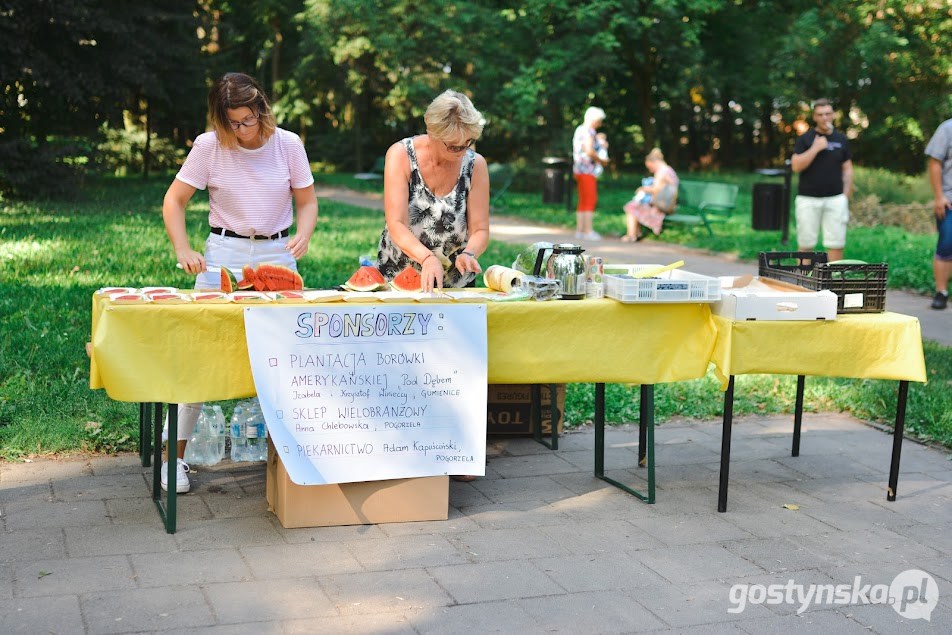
x=554, y=179
x=767, y=207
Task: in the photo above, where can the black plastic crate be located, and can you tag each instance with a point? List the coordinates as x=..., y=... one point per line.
x=858, y=288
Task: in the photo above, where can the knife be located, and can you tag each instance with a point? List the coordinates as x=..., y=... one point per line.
x=178, y=265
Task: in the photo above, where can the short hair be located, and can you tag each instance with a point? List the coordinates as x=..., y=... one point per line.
x=452, y=116
x=655, y=155
x=823, y=101
x=594, y=114
x=237, y=90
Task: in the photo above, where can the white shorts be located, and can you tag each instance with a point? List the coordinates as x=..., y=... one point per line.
x=235, y=253
x=832, y=212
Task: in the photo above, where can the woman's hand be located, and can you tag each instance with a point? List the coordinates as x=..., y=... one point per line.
x=431, y=273
x=192, y=262
x=298, y=245
x=467, y=263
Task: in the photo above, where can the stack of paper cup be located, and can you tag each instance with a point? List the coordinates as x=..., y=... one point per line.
x=594, y=277
x=499, y=278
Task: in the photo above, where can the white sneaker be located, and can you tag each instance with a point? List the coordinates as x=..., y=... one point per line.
x=579, y=235
x=182, y=484
x=593, y=236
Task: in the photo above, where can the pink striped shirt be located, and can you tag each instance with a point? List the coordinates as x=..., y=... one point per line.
x=249, y=191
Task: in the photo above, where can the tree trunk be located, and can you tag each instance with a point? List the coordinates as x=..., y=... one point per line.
x=147, y=147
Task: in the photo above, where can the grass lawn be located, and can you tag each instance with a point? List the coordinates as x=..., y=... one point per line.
x=56, y=254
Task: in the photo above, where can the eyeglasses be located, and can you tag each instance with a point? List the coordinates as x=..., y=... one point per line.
x=247, y=122
x=459, y=148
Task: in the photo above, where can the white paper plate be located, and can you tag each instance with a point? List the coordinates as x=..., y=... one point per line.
x=129, y=298
x=470, y=296
x=322, y=295
x=171, y=298
x=211, y=297
x=361, y=296
x=153, y=290
x=396, y=296
x=115, y=290
x=432, y=296
x=250, y=297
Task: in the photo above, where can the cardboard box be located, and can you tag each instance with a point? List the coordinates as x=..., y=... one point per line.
x=508, y=409
x=366, y=503
x=757, y=298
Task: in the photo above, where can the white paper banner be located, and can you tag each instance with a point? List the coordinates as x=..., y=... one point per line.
x=374, y=391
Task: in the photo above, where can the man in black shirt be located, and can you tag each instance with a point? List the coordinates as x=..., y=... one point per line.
x=823, y=160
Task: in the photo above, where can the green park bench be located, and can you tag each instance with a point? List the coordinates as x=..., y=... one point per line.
x=376, y=172
x=703, y=203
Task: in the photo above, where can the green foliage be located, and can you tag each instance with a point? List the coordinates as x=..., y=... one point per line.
x=892, y=187
x=29, y=171
x=121, y=152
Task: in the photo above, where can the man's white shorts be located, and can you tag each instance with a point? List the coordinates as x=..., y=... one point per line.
x=832, y=212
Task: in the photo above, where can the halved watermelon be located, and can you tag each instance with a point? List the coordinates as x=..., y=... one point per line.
x=407, y=280
x=278, y=278
x=366, y=278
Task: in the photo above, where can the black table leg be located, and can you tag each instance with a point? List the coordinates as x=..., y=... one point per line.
x=599, y=430
x=554, y=415
x=645, y=410
x=156, y=450
x=167, y=510
x=145, y=433
x=535, y=415
x=647, y=420
x=726, y=445
x=897, y=439
x=797, y=417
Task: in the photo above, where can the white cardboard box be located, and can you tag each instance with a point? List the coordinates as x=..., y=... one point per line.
x=755, y=298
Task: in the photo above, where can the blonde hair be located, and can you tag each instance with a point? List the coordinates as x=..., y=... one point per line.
x=452, y=116
x=655, y=155
x=594, y=114
x=237, y=90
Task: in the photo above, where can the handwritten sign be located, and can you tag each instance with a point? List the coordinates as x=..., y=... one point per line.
x=378, y=392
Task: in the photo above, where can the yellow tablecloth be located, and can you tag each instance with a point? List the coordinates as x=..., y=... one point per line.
x=868, y=346
x=197, y=352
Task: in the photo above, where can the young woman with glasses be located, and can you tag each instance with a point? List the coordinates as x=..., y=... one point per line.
x=436, y=198
x=256, y=175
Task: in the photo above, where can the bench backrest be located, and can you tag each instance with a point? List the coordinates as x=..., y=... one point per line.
x=500, y=178
x=717, y=195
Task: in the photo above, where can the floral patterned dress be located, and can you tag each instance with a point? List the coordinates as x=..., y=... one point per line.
x=437, y=222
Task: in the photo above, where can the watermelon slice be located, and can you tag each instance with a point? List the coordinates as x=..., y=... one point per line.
x=366, y=278
x=228, y=282
x=407, y=280
x=248, y=278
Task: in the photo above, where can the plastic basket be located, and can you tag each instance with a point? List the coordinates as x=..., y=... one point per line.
x=858, y=288
x=670, y=286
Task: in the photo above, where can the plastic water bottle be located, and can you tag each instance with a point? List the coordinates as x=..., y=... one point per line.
x=256, y=433
x=365, y=261
x=207, y=443
x=237, y=433
x=248, y=432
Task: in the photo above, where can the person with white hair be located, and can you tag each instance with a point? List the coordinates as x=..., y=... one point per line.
x=586, y=162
